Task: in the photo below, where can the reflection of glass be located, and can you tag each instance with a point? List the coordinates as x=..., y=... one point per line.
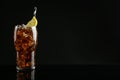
x=25, y=41
x=26, y=75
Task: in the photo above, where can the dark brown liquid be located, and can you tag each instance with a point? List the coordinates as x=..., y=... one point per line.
x=25, y=45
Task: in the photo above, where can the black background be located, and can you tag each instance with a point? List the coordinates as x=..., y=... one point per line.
x=74, y=32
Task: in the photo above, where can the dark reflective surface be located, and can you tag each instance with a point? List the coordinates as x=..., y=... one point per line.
x=60, y=72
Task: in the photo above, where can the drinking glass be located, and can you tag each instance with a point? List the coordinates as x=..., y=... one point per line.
x=25, y=42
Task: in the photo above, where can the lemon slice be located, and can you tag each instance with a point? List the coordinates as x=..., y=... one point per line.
x=32, y=23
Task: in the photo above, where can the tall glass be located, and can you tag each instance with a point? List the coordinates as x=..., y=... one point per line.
x=25, y=41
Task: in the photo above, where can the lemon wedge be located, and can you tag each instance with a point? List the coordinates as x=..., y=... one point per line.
x=32, y=23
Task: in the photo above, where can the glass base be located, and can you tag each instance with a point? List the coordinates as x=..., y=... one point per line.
x=32, y=68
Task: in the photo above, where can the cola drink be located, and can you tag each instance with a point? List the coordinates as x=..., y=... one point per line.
x=25, y=41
